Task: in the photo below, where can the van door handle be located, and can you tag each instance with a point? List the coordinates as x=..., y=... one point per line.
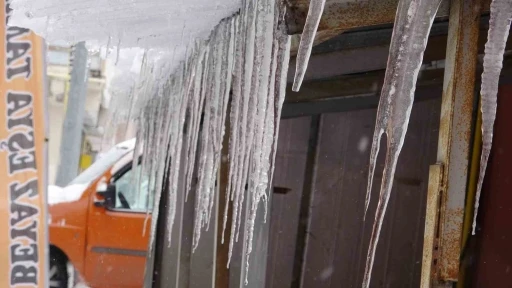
x=99, y=203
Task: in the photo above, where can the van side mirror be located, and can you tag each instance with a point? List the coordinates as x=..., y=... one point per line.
x=108, y=192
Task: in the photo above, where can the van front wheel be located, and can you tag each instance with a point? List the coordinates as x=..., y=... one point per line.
x=58, y=273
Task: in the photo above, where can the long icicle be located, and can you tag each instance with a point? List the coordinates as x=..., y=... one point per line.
x=499, y=26
x=234, y=114
x=413, y=21
x=239, y=189
x=283, y=60
x=257, y=185
x=316, y=8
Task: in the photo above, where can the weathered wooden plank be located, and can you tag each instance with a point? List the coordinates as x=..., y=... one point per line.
x=349, y=14
x=292, y=152
x=305, y=201
x=431, y=216
x=336, y=252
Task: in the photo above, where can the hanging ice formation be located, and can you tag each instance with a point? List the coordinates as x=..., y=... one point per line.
x=180, y=115
x=410, y=34
x=316, y=8
x=499, y=26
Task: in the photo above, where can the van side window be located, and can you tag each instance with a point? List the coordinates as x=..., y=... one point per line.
x=127, y=196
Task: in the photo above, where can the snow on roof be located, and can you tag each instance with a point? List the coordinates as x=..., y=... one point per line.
x=128, y=144
x=71, y=193
x=165, y=24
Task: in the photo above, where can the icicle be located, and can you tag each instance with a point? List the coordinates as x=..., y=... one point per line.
x=274, y=104
x=283, y=60
x=108, y=46
x=118, y=50
x=141, y=100
x=226, y=80
x=236, y=106
x=217, y=114
x=499, y=27
x=246, y=57
x=146, y=150
x=196, y=110
x=205, y=154
x=175, y=154
x=247, y=101
x=135, y=181
x=176, y=158
x=316, y=8
x=254, y=97
x=193, y=112
x=139, y=143
x=258, y=182
x=152, y=156
x=199, y=115
x=235, y=110
x=410, y=34
x=230, y=31
x=166, y=145
x=175, y=167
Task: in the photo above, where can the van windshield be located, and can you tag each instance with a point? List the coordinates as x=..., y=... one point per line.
x=100, y=166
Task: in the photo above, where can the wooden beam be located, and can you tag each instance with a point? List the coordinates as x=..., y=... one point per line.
x=350, y=103
x=368, y=84
x=321, y=37
x=306, y=202
x=222, y=271
x=349, y=14
x=372, y=57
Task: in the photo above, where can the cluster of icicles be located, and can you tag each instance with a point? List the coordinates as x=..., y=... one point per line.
x=244, y=64
x=183, y=112
x=413, y=21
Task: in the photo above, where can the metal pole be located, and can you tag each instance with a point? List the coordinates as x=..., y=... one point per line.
x=71, y=141
x=444, y=220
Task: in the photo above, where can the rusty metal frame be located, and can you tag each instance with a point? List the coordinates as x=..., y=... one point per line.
x=349, y=14
x=443, y=248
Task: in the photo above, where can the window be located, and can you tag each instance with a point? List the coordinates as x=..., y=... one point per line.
x=127, y=196
x=100, y=166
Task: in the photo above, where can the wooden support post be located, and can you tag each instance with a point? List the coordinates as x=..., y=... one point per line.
x=306, y=202
x=168, y=265
x=431, y=217
x=457, y=109
x=222, y=271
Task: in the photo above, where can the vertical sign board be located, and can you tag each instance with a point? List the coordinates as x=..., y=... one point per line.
x=23, y=224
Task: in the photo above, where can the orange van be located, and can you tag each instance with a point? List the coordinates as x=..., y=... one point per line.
x=96, y=224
